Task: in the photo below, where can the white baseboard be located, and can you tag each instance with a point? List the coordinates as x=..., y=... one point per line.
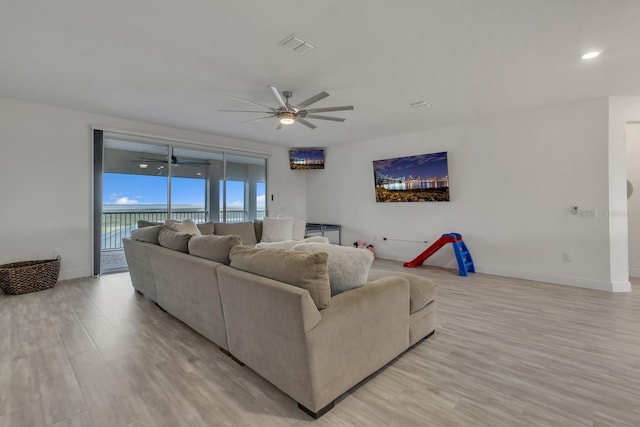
x=600, y=285
x=73, y=274
x=634, y=272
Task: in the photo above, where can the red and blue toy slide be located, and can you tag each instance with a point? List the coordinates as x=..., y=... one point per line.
x=463, y=256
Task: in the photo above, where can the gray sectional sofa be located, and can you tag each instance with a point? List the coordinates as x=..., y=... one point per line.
x=272, y=310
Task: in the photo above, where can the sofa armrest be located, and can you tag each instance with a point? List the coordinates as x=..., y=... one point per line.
x=361, y=331
x=266, y=324
x=313, y=356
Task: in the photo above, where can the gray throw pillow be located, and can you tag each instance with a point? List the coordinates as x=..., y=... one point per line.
x=185, y=226
x=174, y=240
x=206, y=228
x=215, y=248
x=257, y=225
x=306, y=271
x=144, y=223
x=147, y=234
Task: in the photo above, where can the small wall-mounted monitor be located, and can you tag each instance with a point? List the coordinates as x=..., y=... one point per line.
x=306, y=158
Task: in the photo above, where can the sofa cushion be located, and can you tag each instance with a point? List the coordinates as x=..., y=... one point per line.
x=215, y=248
x=244, y=230
x=174, y=240
x=144, y=223
x=290, y=244
x=307, y=271
x=277, y=229
x=421, y=290
x=186, y=226
x=206, y=228
x=348, y=267
x=147, y=234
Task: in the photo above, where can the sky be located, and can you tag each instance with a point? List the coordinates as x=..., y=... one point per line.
x=313, y=154
x=125, y=189
x=424, y=165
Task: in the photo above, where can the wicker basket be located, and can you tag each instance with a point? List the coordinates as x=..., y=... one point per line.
x=29, y=276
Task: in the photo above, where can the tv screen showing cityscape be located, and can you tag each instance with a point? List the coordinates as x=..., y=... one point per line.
x=422, y=178
x=306, y=158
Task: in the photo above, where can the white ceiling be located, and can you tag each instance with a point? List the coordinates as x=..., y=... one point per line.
x=172, y=62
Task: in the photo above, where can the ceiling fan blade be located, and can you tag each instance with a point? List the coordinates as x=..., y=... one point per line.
x=255, y=120
x=278, y=97
x=252, y=102
x=328, y=109
x=245, y=111
x=312, y=100
x=315, y=116
x=194, y=162
x=306, y=123
x=146, y=160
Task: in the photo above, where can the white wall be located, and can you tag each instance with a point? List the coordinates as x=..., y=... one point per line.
x=633, y=208
x=513, y=182
x=46, y=180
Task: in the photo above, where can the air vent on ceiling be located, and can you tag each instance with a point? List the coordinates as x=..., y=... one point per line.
x=297, y=44
x=421, y=104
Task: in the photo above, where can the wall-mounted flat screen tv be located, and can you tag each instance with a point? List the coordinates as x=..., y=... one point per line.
x=422, y=178
x=306, y=158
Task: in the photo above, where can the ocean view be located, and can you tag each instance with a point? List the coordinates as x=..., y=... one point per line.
x=151, y=207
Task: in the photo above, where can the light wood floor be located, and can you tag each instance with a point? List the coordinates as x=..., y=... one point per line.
x=91, y=352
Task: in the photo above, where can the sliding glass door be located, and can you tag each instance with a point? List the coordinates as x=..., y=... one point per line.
x=243, y=198
x=135, y=179
x=151, y=181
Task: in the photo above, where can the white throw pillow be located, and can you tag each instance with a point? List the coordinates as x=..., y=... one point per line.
x=348, y=267
x=277, y=229
x=299, y=229
x=289, y=244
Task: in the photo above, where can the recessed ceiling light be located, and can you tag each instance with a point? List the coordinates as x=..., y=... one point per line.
x=143, y=165
x=592, y=54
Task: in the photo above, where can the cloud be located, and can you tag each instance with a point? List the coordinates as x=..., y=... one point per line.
x=235, y=205
x=126, y=201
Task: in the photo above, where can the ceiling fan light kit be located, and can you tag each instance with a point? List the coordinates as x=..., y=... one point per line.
x=286, y=118
x=288, y=114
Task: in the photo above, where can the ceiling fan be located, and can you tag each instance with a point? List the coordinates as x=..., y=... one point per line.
x=174, y=161
x=288, y=114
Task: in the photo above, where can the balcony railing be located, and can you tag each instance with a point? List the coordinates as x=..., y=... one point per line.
x=117, y=225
